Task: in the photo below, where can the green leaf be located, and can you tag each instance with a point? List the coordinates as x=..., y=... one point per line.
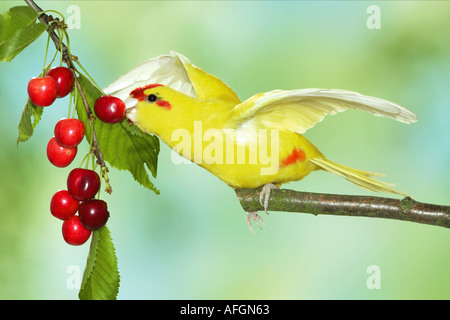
x=123, y=146
x=101, y=275
x=18, y=28
x=26, y=124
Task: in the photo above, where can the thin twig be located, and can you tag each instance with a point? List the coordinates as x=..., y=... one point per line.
x=45, y=19
x=406, y=209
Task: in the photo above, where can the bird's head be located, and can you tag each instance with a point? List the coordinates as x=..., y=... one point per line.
x=147, y=97
x=148, y=104
x=154, y=106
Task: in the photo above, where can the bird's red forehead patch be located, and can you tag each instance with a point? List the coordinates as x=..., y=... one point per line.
x=138, y=93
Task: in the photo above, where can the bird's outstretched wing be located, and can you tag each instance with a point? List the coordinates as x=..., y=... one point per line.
x=175, y=71
x=299, y=110
x=165, y=69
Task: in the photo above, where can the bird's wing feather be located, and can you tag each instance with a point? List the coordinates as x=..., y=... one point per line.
x=165, y=69
x=299, y=110
x=175, y=71
x=207, y=86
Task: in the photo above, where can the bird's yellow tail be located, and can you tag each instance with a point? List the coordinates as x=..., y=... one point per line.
x=358, y=177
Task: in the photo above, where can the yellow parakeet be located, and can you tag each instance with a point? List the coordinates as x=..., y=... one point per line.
x=249, y=144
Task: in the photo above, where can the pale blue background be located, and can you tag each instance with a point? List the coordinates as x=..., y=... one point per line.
x=191, y=241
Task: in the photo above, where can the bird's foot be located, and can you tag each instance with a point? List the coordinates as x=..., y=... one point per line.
x=265, y=194
x=256, y=218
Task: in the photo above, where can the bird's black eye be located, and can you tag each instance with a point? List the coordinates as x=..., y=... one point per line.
x=152, y=98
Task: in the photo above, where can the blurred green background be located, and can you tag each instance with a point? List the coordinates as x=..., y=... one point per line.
x=191, y=241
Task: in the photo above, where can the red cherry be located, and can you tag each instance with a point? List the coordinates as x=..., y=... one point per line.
x=42, y=91
x=93, y=214
x=109, y=109
x=60, y=156
x=63, y=206
x=83, y=184
x=64, y=79
x=69, y=132
x=73, y=231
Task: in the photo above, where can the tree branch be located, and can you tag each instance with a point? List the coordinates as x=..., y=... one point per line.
x=68, y=60
x=406, y=209
x=45, y=19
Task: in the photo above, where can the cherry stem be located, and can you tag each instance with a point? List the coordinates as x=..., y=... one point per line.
x=90, y=78
x=46, y=51
x=84, y=159
x=69, y=112
x=75, y=96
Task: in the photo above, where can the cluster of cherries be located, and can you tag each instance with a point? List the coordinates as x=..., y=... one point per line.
x=82, y=184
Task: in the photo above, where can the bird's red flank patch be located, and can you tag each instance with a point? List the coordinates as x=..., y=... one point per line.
x=295, y=156
x=138, y=93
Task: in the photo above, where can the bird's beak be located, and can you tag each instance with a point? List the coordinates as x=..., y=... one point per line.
x=130, y=108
